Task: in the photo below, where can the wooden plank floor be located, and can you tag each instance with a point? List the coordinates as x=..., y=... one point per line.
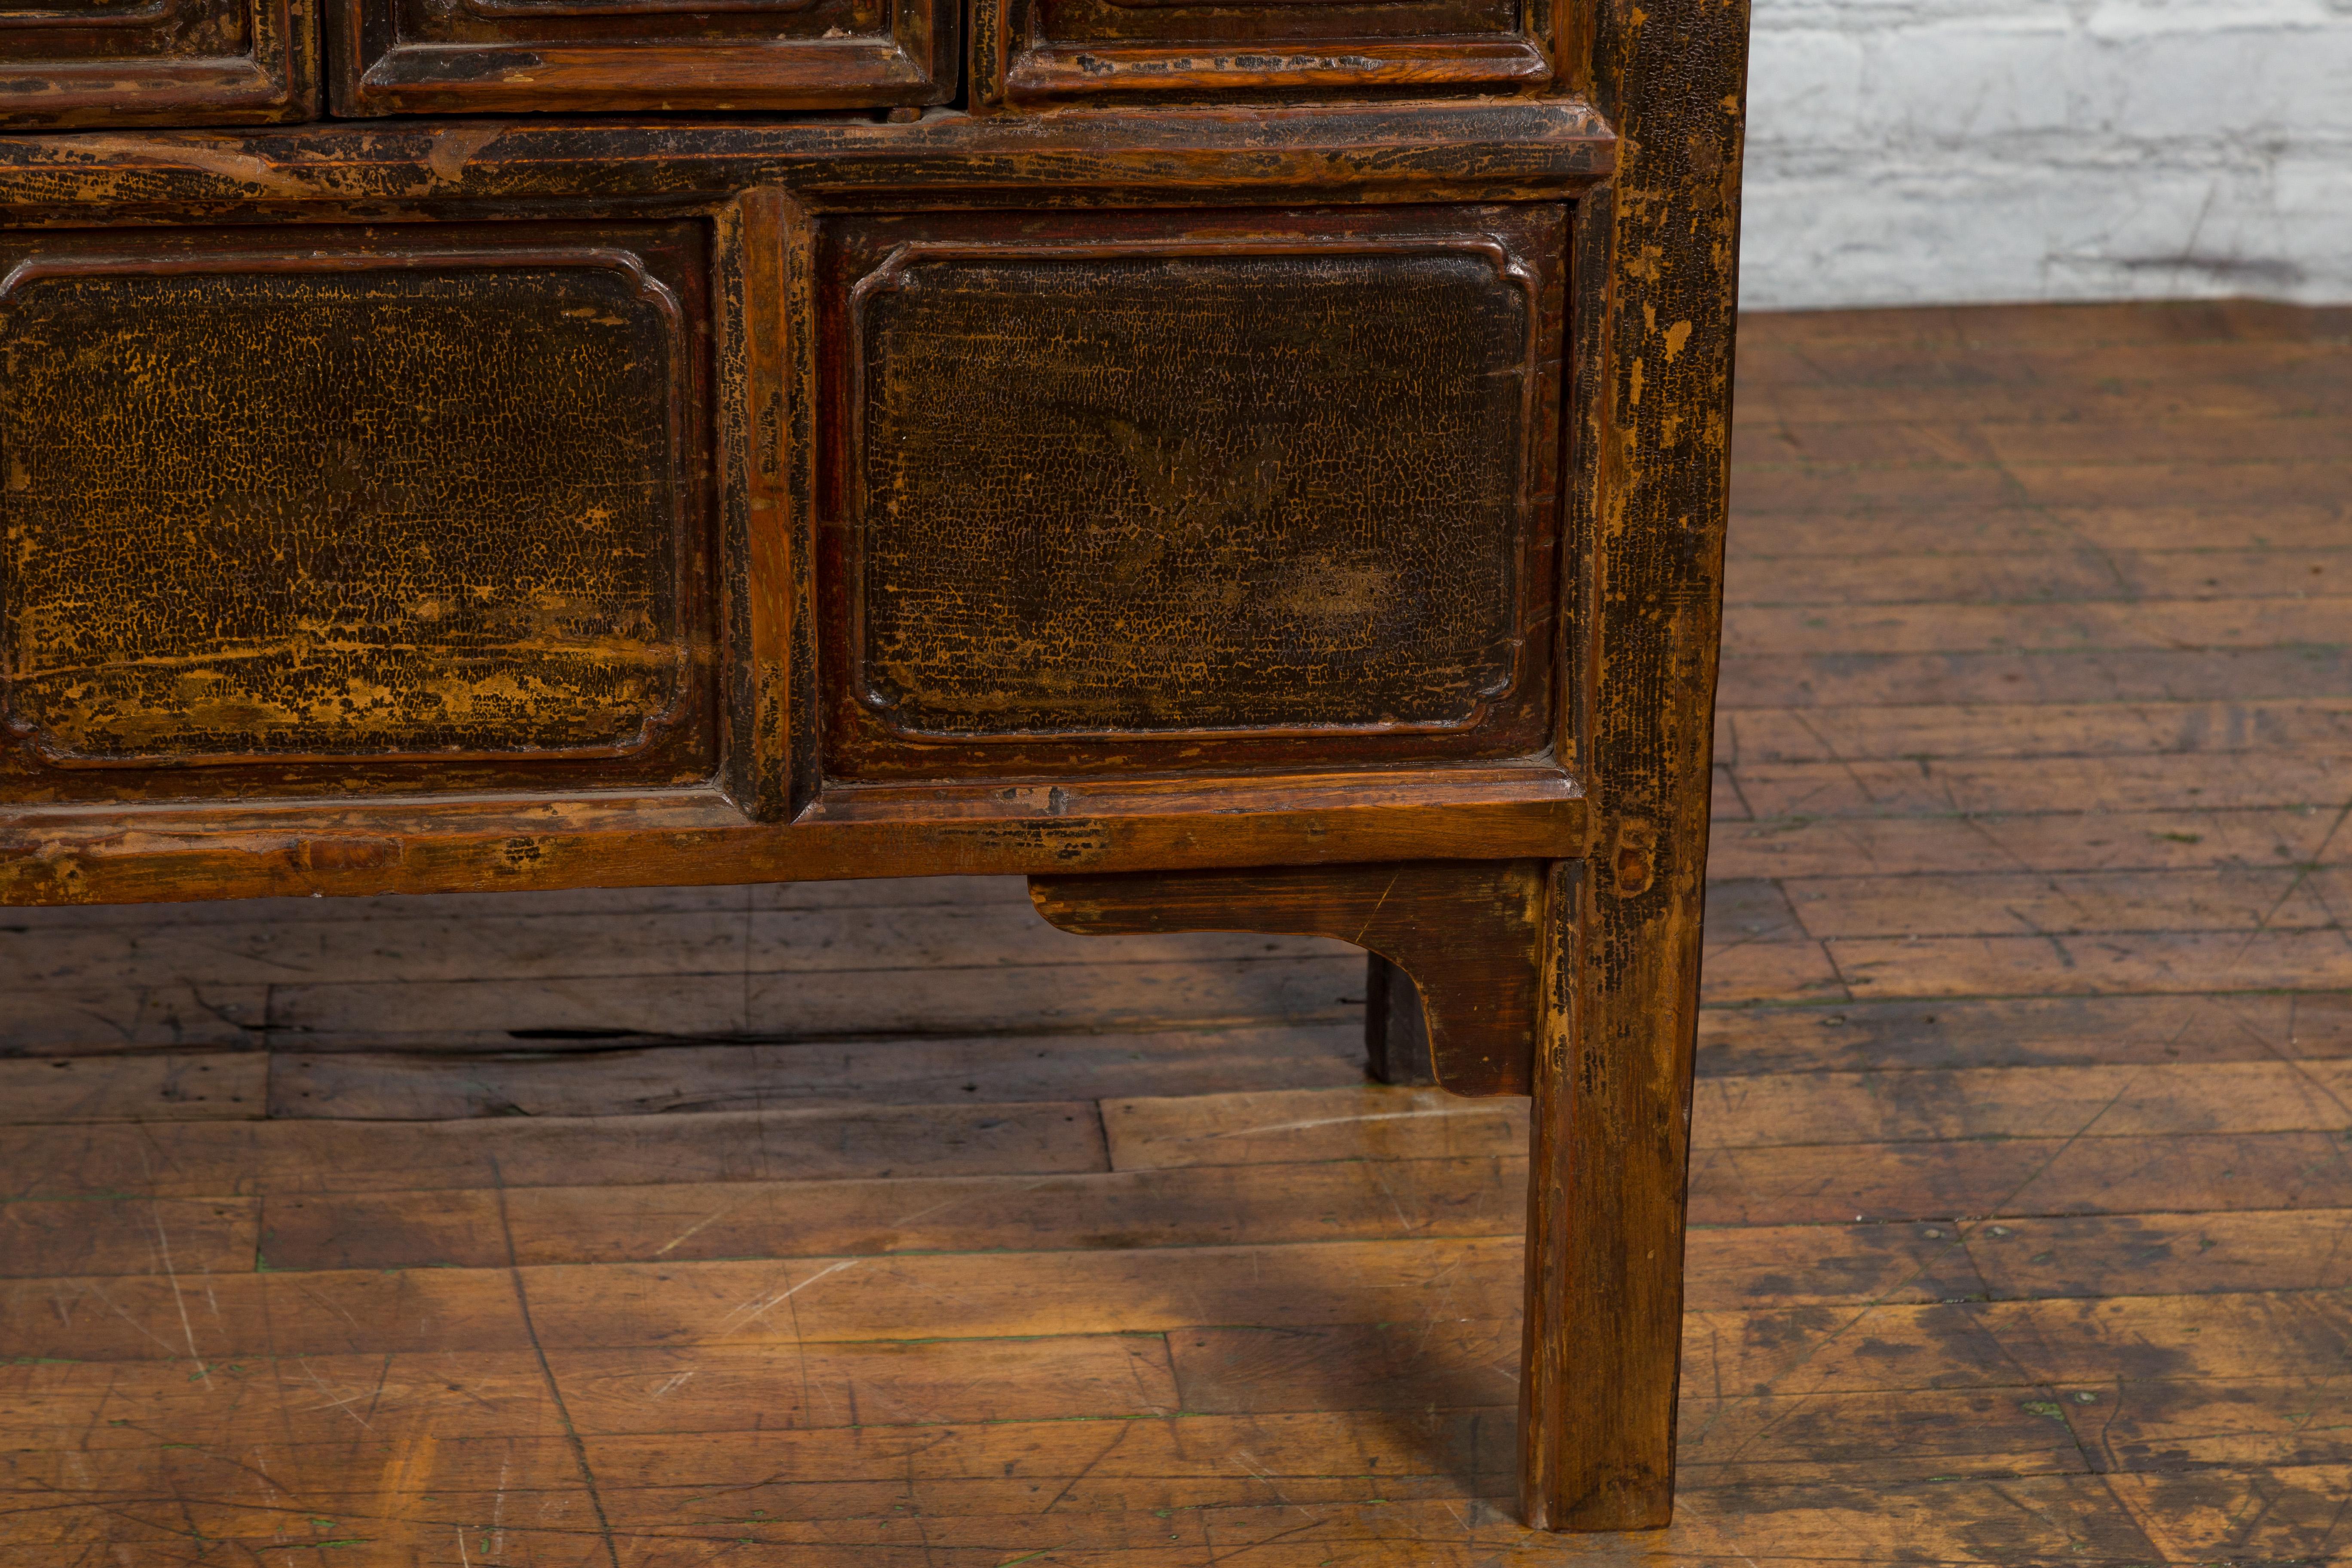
x=449, y=1231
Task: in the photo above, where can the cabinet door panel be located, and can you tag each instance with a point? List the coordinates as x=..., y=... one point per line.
x=598, y=56
x=1193, y=492
x=298, y=511
x=1044, y=51
x=157, y=62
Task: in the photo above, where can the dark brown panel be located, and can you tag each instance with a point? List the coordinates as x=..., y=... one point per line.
x=1241, y=490
x=1038, y=51
x=148, y=62
x=597, y=56
x=316, y=510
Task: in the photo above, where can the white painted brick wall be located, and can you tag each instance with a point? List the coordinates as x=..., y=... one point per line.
x=1939, y=151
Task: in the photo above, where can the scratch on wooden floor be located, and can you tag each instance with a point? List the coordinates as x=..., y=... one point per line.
x=547, y=1376
x=499, y=1513
x=168, y=1348
x=712, y=1217
x=188, y=1328
x=1467, y=1109
x=327, y=1301
x=1118, y=1436
x=1404, y=1222
x=751, y=1310
x=343, y=1404
x=2302, y=874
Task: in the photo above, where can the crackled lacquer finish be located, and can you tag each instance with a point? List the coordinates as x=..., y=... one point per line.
x=170, y=62
x=387, y=503
x=1208, y=485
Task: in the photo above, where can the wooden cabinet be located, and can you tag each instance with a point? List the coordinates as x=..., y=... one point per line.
x=1253, y=466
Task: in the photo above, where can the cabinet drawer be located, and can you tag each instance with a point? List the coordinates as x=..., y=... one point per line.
x=597, y=56
x=1169, y=491
x=156, y=62
x=1042, y=51
x=324, y=510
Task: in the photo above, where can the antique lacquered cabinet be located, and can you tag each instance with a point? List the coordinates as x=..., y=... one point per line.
x=1242, y=466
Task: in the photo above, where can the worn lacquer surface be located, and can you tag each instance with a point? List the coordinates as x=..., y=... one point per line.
x=1281, y=482
x=1460, y=150
x=168, y=62
x=1263, y=488
x=390, y=502
x=1613, y=1076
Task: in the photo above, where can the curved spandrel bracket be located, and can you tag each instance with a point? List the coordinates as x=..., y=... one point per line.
x=1468, y=932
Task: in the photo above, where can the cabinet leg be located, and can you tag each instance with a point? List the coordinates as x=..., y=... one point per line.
x=1606, y=1177
x=1508, y=953
x=1396, y=1026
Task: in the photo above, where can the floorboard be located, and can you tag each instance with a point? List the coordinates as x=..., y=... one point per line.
x=870, y=1225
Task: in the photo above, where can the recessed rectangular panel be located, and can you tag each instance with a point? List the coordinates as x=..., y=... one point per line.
x=354, y=506
x=600, y=56
x=1041, y=51
x=1221, y=489
x=146, y=62
x=1249, y=486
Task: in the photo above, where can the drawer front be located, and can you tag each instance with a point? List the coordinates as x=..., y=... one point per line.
x=602, y=56
x=156, y=62
x=1191, y=492
x=1039, y=52
x=321, y=510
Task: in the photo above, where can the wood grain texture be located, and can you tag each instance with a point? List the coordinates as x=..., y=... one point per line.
x=225, y=1085
x=592, y=840
x=1614, y=1059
